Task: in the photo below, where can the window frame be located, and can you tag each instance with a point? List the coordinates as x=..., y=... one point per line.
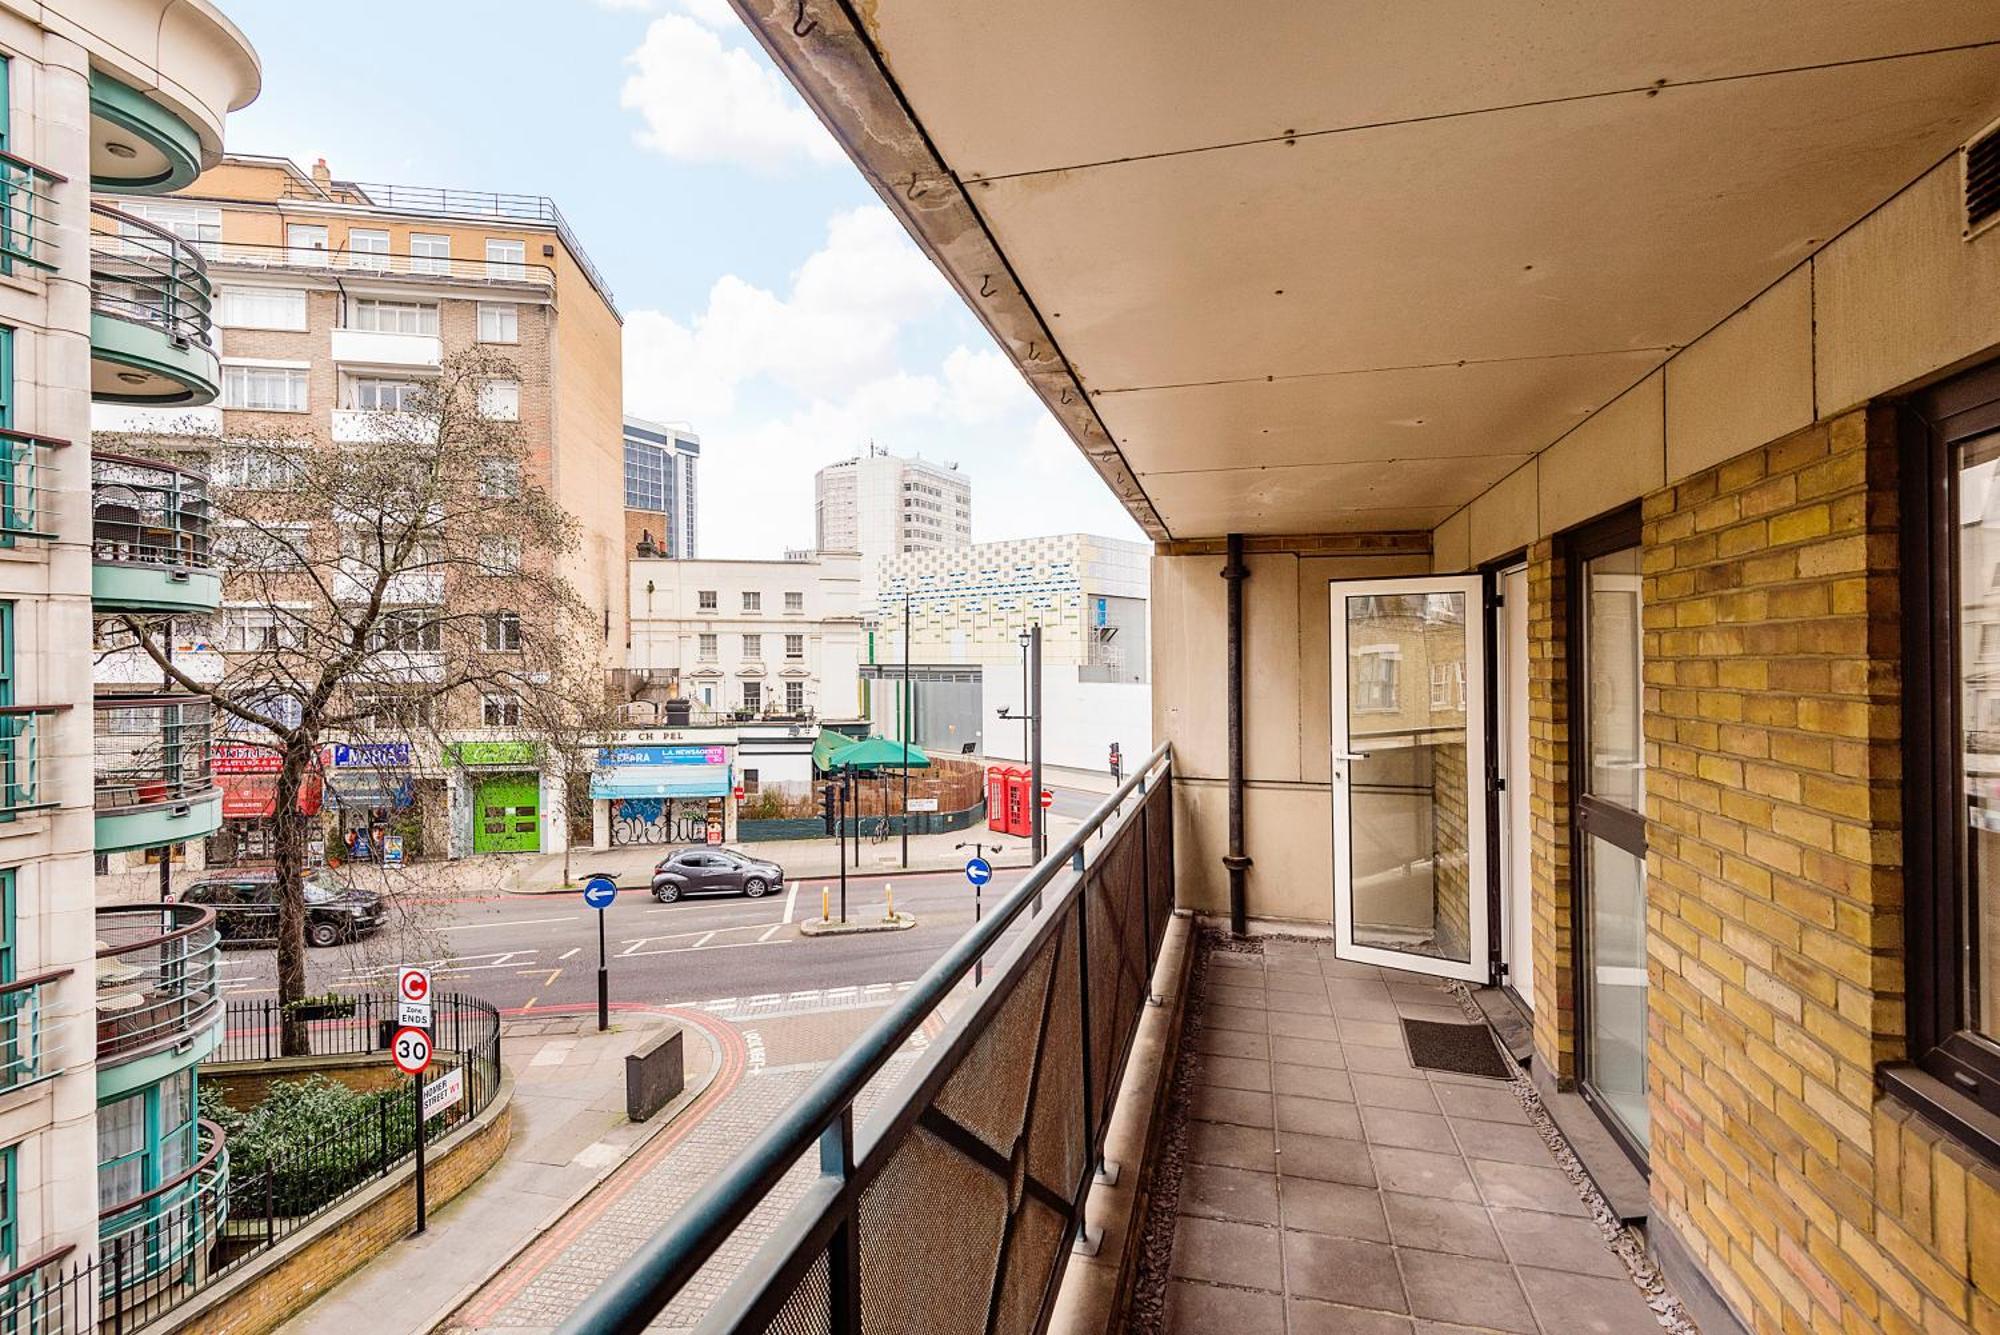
x=227, y=294
x=235, y=373
x=427, y=259
x=1952, y=1075
x=511, y=310
x=1591, y=816
x=370, y=241
x=498, y=399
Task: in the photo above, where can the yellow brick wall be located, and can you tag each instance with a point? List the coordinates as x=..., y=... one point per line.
x=1775, y=902
x=1548, y=812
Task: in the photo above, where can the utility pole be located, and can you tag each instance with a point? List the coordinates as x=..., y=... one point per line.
x=1039, y=842
x=903, y=726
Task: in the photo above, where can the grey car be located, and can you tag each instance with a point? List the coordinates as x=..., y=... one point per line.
x=714, y=871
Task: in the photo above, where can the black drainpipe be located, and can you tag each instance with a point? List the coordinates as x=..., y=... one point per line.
x=1236, y=860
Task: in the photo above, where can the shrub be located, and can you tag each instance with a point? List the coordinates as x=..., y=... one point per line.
x=310, y=1142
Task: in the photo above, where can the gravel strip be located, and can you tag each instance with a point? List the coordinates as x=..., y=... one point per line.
x=1147, y=1314
x=1624, y=1242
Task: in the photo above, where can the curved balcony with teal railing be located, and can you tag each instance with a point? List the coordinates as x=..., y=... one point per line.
x=149, y=534
x=160, y=1244
x=152, y=773
x=159, y=993
x=151, y=340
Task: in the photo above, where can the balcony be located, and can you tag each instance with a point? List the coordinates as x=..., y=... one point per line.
x=27, y=215
x=150, y=527
x=25, y=485
x=443, y=269
x=150, y=306
x=32, y=1046
x=367, y=347
x=158, y=990
x=153, y=779
x=156, y=1246
x=368, y=426
x=21, y=748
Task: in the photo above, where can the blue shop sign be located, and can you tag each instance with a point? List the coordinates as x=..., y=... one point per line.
x=371, y=755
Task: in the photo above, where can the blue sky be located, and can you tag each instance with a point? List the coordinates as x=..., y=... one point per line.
x=770, y=300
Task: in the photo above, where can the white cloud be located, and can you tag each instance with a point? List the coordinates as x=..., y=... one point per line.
x=714, y=13
x=781, y=384
x=625, y=6
x=703, y=101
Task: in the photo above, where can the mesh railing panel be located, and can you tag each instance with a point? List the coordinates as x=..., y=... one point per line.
x=930, y=1230
x=808, y=1310
x=1056, y=1152
x=1159, y=821
x=988, y=1093
x=1032, y=1253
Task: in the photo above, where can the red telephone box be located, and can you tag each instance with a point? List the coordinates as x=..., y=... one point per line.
x=996, y=798
x=1020, y=799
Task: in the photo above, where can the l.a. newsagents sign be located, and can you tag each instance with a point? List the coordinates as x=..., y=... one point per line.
x=661, y=771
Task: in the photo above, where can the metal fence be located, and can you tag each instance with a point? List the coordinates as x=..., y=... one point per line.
x=144, y=274
x=955, y=1206
x=28, y=215
x=340, y=1025
x=144, y=512
x=158, y=1251
x=149, y=748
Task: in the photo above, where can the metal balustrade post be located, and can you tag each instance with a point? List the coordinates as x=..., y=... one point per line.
x=1087, y=1242
x=843, y=1249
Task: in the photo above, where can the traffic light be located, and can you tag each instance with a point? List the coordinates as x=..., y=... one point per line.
x=1117, y=763
x=827, y=796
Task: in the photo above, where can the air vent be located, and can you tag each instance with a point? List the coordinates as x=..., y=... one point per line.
x=1982, y=180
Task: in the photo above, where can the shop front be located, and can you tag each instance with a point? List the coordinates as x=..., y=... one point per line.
x=500, y=800
x=248, y=777
x=385, y=809
x=670, y=794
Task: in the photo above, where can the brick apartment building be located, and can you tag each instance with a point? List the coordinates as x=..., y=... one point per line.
x=333, y=300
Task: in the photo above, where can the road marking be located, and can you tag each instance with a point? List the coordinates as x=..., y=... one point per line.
x=754, y=1042
x=791, y=900
x=510, y=922
x=705, y=939
x=772, y=930
x=531, y=1003
x=682, y=950
x=536, y=973
x=571, y=951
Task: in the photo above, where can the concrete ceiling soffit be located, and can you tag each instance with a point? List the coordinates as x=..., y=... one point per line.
x=837, y=69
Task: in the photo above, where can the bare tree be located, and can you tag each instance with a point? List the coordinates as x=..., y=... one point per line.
x=568, y=728
x=404, y=585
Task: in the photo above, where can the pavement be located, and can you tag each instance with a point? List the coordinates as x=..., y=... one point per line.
x=570, y=1133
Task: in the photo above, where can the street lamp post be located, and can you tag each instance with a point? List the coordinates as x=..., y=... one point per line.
x=909, y=715
x=1040, y=839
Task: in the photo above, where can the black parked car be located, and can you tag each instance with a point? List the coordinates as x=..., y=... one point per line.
x=714, y=871
x=246, y=907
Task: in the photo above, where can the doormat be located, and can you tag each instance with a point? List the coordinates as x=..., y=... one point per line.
x=1466, y=1049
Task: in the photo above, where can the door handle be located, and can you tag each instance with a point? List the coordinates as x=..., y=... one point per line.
x=1352, y=755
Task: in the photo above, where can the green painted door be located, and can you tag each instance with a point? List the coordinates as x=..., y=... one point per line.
x=509, y=815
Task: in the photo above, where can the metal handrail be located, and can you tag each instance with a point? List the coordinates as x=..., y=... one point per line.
x=144, y=274
x=23, y=463
x=217, y=1146
x=144, y=512
x=822, y=1116
x=27, y=213
x=273, y=255
x=48, y=1258
x=21, y=757
x=25, y=1019
x=444, y=202
x=179, y=993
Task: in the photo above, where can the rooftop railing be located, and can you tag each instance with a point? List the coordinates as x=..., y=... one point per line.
x=147, y=513
x=27, y=213
x=157, y=977
x=149, y=748
x=441, y=202
x=954, y=1206
x=142, y=273
x=252, y=254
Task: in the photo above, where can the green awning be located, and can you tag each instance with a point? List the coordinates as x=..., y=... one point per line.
x=826, y=744
x=878, y=753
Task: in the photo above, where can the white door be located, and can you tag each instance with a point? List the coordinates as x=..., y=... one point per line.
x=1516, y=873
x=1409, y=775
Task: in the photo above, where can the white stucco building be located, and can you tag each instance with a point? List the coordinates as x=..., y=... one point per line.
x=755, y=638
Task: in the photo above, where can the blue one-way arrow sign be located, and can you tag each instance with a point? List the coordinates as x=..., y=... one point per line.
x=599, y=891
x=978, y=871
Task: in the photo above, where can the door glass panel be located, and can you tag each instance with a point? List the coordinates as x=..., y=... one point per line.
x=1978, y=465
x=1408, y=841
x=1615, y=1041
x=1617, y=743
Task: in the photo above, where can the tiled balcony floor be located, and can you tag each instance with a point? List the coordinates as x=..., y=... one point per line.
x=1331, y=1186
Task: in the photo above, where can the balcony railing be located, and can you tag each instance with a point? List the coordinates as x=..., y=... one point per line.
x=27, y=213
x=24, y=480
x=143, y=274
x=148, y=513
x=158, y=978
x=956, y=1202
x=151, y=748
x=163, y=1238
x=31, y=1046
x=21, y=728
x=400, y=263
x=439, y=202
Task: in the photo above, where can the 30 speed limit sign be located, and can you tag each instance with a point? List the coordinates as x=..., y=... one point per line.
x=410, y=1049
